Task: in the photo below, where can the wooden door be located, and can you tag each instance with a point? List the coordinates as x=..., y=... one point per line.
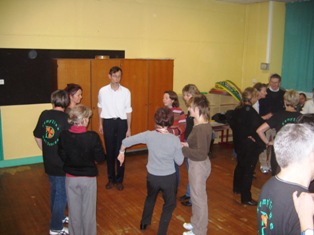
x=160, y=80
x=135, y=78
x=99, y=78
x=75, y=71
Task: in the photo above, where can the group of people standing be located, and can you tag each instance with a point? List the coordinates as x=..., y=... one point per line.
x=263, y=111
x=270, y=124
x=71, y=152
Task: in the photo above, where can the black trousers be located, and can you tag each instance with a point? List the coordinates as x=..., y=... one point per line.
x=167, y=185
x=247, y=156
x=114, y=132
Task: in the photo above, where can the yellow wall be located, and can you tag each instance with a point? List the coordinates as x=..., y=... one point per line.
x=255, y=49
x=18, y=123
x=209, y=40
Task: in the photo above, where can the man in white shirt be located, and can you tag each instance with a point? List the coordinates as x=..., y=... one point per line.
x=114, y=107
x=309, y=105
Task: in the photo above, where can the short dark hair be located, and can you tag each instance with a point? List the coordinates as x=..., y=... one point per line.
x=164, y=117
x=304, y=95
x=275, y=75
x=202, y=103
x=115, y=69
x=60, y=98
x=258, y=86
x=174, y=97
x=72, y=88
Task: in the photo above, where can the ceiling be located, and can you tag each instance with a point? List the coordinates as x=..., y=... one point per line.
x=256, y=1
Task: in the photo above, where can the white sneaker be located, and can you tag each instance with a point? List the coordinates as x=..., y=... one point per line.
x=64, y=231
x=264, y=169
x=188, y=233
x=188, y=226
x=65, y=220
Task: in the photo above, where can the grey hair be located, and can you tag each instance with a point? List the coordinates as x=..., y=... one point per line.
x=293, y=143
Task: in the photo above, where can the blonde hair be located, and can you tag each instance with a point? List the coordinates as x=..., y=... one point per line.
x=191, y=89
x=247, y=95
x=291, y=98
x=78, y=113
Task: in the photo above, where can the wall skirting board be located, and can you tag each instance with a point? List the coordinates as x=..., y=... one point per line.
x=20, y=161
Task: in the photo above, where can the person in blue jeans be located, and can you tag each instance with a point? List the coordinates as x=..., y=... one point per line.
x=46, y=133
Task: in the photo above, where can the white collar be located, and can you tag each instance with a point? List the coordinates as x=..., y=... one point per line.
x=274, y=90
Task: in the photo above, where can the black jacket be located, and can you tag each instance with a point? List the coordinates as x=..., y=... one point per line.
x=80, y=151
x=244, y=122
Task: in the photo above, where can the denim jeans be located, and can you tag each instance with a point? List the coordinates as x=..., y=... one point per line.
x=58, y=201
x=187, y=193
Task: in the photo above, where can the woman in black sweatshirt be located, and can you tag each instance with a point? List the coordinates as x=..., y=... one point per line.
x=80, y=150
x=247, y=144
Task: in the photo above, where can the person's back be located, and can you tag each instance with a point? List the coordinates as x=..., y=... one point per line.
x=244, y=123
x=80, y=151
x=50, y=124
x=163, y=151
x=46, y=133
x=275, y=211
x=282, y=118
x=294, y=148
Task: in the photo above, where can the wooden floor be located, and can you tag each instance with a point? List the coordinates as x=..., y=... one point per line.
x=24, y=200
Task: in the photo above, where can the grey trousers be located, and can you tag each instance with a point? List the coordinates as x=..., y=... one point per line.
x=81, y=196
x=265, y=156
x=198, y=175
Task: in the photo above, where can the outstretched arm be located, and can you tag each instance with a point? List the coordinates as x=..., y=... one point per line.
x=121, y=155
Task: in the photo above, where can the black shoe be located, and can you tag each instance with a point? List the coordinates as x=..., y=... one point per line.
x=250, y=203
x=109, y=185
x=143, y=226
x=184, y=198
x=120, y=186
x=186, y=203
